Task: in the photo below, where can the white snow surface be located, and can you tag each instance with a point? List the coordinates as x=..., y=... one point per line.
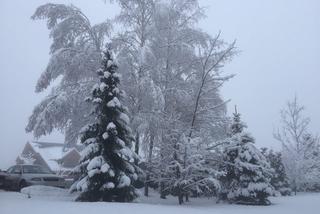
x=91, y=148
x=105, y=167
x=52, y=200
x=46, y=192
x=110, y=126
x=109, y=185
x=114, y=103
x=125, y=118
x=103, y=86
x=105, y=135
x=93, y=172
x=124, y=181
x=106, y=74
x=82, y=185
x=97, y=100
x=96, y=162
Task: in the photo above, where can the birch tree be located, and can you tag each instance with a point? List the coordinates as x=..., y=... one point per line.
x=299, y=147
x=74, y=55
x=186, y=66
x=132, y=45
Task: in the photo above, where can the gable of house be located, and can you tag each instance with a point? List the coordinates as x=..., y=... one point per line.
x=53, y=156
x=70, y=159
x=30, y=156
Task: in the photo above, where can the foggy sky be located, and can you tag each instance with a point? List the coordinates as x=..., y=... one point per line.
x=278, y=39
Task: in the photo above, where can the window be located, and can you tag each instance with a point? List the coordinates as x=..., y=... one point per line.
x=16, y=170
x=35, y=169
x=10, y=170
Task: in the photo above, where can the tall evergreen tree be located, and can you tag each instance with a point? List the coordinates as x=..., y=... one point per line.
x=247, y=172
x=107, y=163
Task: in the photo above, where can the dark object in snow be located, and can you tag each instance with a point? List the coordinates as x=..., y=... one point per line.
x=285, y=191
x=265, y=202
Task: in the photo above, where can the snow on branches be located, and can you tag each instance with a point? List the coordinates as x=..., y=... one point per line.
x=247, y=171
x=107, y=163
x=75, y=55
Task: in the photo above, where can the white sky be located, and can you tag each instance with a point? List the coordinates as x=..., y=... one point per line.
x=279, y=40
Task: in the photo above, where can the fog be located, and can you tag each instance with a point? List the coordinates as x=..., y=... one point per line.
x=279, y=58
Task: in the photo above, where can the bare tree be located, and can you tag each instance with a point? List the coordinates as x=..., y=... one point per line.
x=298, y=146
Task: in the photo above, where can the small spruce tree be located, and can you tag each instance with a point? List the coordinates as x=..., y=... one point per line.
x=247, y=172
x=107, y=165
x=279, y=179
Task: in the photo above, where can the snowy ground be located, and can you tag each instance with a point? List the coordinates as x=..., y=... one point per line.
x=50, y=201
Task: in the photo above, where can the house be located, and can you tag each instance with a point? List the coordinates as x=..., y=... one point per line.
x=54, y=156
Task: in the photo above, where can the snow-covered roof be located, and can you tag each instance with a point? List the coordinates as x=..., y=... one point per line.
x=68, y=152
x=50, y=152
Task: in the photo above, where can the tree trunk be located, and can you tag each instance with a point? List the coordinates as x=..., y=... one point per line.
x=137, y=146
x=187, y=197
x=180, y=198
x=162, y=168
x=146, y=184
x=162, y=192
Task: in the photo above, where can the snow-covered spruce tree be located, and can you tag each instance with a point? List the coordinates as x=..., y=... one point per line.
x=279, y=179
x=107, y=163
x=247, y=172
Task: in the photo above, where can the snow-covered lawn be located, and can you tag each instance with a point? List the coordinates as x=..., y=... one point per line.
x=50, y=201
